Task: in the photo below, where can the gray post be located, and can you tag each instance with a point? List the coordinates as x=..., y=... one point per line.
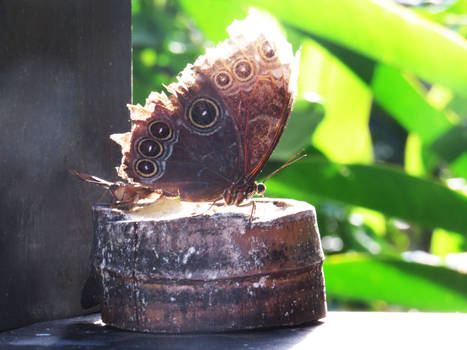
x=65, y=78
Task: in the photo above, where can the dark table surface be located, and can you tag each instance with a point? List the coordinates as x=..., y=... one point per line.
x=339, y=330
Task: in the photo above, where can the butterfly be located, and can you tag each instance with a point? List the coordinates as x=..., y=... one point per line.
x=210, y=138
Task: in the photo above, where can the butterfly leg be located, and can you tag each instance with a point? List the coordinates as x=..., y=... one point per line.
x=251, y=204
x=210, y=207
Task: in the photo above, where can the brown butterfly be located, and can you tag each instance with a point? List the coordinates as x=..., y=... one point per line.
x=212, y=136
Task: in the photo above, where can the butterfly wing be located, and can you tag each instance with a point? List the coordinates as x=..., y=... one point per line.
x=221, y=122
x=255, y=71
x=186, y=146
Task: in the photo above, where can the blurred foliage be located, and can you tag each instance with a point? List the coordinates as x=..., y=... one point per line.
x=382, y=114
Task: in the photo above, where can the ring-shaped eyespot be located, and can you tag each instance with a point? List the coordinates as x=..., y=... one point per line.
x=243, y=70
x=223, y=80
x=267, y=50
x=203, y=113
x=146, y=168
x=160, y=130
x=149, y=148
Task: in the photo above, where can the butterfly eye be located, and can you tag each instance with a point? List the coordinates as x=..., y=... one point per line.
x=149, y=148
x=267, y=51
x=146, y=168
x=223, y=80
x=203, y=113
x=260, y=188
x=243, y=70
x=160, y=130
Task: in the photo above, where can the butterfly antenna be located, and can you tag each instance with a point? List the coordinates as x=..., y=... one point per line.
x=91, y=179
x=294, y=159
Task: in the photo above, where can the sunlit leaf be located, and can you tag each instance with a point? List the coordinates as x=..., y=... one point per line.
x=382, y=188
x=411, y=285
x=444, y=242
x=450, y=13
x=401, y=98
x=343, y=135
x=374, y=219
x=400, y=95
x=459, y=166
x=438, y=96
x=383, y=31
x=213, y=17
x=148, y=57
x=413, y=162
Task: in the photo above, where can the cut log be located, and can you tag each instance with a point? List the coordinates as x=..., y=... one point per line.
x=185, y=267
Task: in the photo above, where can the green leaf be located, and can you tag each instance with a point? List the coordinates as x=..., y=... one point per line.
x=377, y=187
x=411, y=285
x=452, y=144
x=459, y=106
x=213, y=17
x=459, y=166
x=304, y=119
x=444, y=242
x=450, y=14
x=375, y=220
x=343, y=135
x=383, y=31
x=413, y=162
x=406, y=103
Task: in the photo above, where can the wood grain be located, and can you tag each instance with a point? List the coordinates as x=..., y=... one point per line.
x=211, y=272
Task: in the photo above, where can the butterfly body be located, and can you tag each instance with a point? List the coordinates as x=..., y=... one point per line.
x=211, y=137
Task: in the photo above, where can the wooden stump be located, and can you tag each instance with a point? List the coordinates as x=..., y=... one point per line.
x=211, y=272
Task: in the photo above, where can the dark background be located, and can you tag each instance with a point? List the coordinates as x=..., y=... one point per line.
x=65, y=77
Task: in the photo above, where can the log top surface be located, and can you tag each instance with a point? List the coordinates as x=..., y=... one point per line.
x=339, y=330
x=172, y=209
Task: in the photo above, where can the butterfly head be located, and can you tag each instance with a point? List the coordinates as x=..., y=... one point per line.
x=260, y=189
x=243, y=190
